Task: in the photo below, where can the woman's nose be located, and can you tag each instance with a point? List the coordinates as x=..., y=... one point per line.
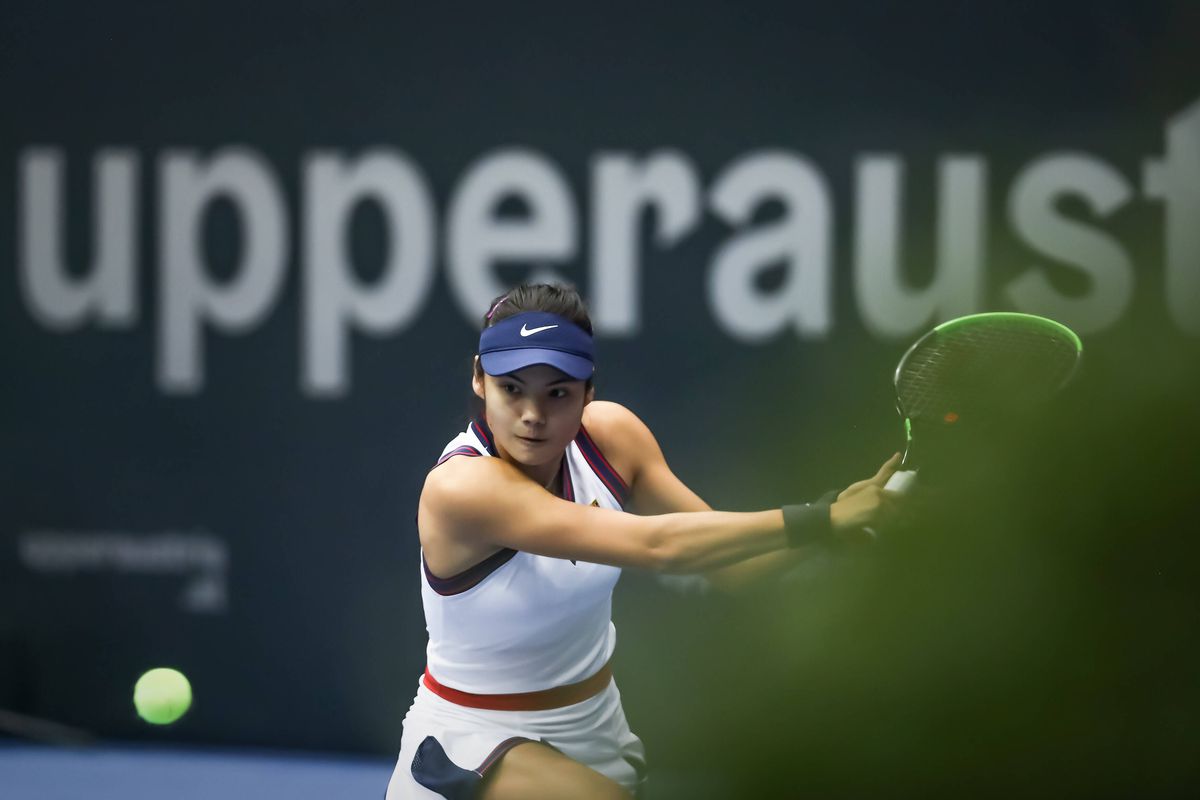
x=532, y=413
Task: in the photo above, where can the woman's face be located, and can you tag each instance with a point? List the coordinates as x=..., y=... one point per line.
x=534, y=413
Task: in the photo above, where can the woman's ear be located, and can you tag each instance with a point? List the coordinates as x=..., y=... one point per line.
x=590, y=396
x=477, y=380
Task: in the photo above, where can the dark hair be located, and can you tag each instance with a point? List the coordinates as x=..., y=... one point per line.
x=560, y=299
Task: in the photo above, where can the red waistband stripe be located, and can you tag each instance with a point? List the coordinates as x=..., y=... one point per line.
x=543, y=700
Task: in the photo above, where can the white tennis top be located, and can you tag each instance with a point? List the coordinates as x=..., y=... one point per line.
x=519, y=622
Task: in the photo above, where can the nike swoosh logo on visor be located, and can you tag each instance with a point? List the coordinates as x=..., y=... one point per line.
x=532, y=331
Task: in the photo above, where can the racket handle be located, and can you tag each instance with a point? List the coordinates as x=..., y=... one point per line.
x=901, y=481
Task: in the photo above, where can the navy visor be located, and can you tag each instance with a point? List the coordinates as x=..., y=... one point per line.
x=535, y=337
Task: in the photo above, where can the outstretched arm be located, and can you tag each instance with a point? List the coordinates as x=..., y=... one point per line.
x=657, y=490
x=475, y=502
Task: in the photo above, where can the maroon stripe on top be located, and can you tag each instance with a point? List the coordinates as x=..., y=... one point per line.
x=603, y=460
x=480, y=427
x=470, y=577
x=599, y=470
x=611, y=479
x=464, y=450
x=568, y=488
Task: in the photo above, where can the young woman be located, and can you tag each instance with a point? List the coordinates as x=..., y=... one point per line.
x=523, y=535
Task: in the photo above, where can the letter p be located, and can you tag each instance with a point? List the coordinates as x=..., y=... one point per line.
x=189, y=297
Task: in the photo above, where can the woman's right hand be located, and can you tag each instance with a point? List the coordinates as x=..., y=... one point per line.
x=865, y=503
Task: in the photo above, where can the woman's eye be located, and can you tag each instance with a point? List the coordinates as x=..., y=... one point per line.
x=510, y=388
x=558, y=392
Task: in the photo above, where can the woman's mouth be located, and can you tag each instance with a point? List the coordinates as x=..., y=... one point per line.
x=530, y=439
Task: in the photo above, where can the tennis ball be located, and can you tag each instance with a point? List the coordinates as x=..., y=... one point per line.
x=162, y=696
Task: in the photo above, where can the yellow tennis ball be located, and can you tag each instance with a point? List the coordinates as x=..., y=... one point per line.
x=162, y=696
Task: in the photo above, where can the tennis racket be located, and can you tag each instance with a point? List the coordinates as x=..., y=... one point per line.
x=972, y=374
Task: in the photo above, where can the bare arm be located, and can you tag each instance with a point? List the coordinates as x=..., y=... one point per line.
x=661, y=490
x=657, y=490
x=485, y=501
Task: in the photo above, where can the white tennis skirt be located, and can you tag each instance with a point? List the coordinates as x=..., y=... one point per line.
x=446, y=748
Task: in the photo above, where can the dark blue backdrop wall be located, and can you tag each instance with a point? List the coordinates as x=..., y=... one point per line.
x=244, y=255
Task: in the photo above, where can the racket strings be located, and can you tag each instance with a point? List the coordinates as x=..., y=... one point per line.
x=993, y=366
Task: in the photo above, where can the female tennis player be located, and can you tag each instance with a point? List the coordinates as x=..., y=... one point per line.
x=524, y=531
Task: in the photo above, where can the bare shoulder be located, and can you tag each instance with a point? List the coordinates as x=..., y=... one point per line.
x=471, y=507
x=456, y=509
x=463, y=486
x=621, y=435
x=605, y=413
x=455, y=502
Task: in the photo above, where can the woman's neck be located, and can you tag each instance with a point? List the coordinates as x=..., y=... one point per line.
x=545, y=475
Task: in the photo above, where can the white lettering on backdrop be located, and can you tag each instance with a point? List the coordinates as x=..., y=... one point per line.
x=661, y=191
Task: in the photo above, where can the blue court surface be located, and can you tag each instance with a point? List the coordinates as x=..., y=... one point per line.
x=105, y=772
x=136, y=772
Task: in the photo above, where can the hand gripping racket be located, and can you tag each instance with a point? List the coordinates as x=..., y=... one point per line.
x=969, y=375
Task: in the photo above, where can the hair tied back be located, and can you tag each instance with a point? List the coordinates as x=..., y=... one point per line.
x=499, y=303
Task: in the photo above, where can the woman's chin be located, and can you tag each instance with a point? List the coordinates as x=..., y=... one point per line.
x=533, y=451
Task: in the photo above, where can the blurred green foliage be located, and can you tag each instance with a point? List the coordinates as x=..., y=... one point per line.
x=1032, y=629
